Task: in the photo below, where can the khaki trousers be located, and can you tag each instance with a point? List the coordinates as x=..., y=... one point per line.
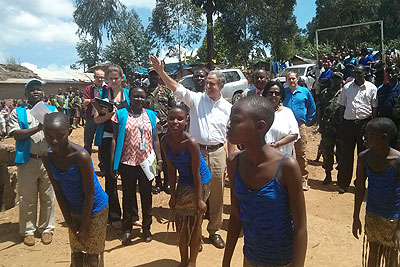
x=300, y=149
x=33, y=180
x=216, y=161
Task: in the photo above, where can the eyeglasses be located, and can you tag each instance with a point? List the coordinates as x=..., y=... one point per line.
x=274, y=93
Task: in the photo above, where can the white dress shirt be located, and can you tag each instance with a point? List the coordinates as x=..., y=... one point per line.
x=208, y=118
x=358, y=100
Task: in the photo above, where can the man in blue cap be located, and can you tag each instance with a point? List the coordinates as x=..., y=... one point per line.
x=31, y=174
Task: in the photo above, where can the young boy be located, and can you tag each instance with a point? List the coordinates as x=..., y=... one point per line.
x=380, y=164
x=267, y=198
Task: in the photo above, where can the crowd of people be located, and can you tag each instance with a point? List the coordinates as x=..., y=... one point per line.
x=153, y=134
x=68, y=102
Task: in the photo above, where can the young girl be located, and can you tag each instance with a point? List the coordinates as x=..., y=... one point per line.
x=380, y=164
x=266, y=192
x=82, y=201
x=120, y=96
x=188, y=199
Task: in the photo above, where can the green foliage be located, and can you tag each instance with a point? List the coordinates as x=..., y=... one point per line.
x=95, y=17
x=88, y=52
x=244, y=29
x=176, y=23
x=130, y=46
x=332, y=13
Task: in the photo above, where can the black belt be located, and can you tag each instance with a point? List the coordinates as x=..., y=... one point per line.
x=211, y=147
x=36, y=156
x=358, y=121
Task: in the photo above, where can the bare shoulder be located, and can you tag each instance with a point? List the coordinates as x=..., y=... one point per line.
x=192, y=142
x=81, y=154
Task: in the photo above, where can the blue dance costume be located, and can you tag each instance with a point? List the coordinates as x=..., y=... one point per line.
x=183, y=163
x=383, y=192
x=267, y=221
x=71, y=185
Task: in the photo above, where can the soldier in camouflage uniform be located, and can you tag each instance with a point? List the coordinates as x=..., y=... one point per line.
x=160, y=99
x=329, y=124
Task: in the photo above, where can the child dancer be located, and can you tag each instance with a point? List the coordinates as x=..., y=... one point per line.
x=380, y=164
x=266, y=192
x=188, y=199
x=82, y=201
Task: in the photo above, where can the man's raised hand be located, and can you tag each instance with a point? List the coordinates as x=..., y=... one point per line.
x=156, y=64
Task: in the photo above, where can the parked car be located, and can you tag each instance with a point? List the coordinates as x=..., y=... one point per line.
x=234, y=86
x=304, y=71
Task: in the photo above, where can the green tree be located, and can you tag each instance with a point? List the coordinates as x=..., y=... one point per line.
x=331, y=13
x=130, y=46
x=89, y=54
x=276, y=26
x=210, y=8
x=94, y=19
x=176, y=23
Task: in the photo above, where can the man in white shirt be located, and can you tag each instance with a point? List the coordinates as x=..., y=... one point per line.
x=209, y=116
x=358, y=105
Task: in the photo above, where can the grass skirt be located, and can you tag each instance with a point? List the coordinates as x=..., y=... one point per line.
x=380, y=230
x=186, y=209
x=96, y=238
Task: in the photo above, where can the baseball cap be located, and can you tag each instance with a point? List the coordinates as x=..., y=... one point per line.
x=32, y=83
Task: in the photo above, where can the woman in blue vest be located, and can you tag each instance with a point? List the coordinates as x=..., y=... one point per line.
x=120, y=97
x=135, y=141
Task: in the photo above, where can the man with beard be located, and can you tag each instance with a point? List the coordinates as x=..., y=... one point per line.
x=160, y=99
x=31, y=173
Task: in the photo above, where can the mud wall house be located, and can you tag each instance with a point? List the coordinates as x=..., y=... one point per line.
x=14, y=77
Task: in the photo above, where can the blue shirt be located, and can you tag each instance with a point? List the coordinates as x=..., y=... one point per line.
x=364, y=61
x=301, y=102
x=387, y=97
x=326, y=74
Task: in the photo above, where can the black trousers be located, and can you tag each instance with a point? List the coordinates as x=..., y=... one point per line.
x=130, y=176
x=114, y=211
x=352, y=133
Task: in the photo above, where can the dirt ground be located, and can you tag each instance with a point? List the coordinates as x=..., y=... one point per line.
x=330, y=242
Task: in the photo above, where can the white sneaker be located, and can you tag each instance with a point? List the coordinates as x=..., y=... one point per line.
x=306, y=187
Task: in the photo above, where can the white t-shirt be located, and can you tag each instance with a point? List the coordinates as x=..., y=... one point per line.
x=284, y=124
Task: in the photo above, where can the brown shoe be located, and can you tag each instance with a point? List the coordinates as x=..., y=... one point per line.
x=217, y=241
x=29, y=240
x=47, y=238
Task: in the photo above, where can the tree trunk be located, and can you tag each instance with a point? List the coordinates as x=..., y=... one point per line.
x=210, y=34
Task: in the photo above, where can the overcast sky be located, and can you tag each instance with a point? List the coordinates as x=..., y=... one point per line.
x=41, y=33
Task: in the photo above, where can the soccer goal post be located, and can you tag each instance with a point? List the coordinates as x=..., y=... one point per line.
x=349, y=26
